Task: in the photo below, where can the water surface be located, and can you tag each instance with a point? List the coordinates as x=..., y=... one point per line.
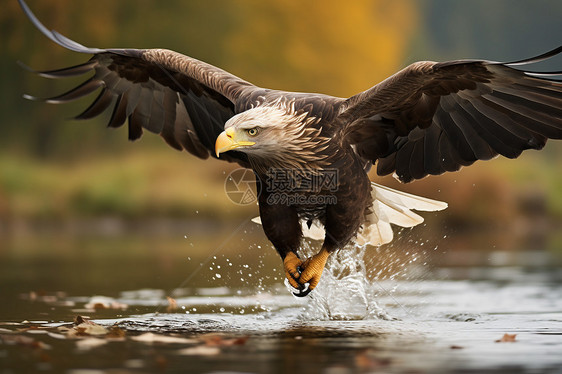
x=416, y=307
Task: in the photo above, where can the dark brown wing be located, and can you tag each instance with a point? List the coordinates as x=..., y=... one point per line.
x=184, y=100
x=435, y=117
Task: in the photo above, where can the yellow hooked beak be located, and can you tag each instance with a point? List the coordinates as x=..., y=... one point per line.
x=226, y=142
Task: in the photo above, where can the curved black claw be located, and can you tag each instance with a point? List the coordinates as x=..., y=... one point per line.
x=304, y=292
x=304, y=289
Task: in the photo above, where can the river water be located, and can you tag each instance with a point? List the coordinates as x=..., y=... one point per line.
x=416, y=307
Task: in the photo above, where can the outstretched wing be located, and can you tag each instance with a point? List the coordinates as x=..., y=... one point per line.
x=184, y=100
x=435, y=117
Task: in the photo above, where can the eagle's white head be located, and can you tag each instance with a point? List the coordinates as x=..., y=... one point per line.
x=273, y=134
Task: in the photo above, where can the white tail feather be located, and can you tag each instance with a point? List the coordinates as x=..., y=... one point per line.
x=392, y=206
x=389, y=206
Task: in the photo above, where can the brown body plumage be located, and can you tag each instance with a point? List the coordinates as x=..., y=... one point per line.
x=427, y=119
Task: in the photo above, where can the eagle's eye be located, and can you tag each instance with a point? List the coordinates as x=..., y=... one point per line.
x=252, y=131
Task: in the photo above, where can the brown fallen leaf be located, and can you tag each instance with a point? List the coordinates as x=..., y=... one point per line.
x=85, y=327
x=507, y=338
x=172, y=304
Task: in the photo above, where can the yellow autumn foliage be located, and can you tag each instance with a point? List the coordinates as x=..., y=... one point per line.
x=329, y=46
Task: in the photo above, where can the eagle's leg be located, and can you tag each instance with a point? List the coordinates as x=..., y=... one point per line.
x=282, y=227
x=310, y=272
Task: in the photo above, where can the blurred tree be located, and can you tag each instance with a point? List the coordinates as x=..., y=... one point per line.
x=329, y=46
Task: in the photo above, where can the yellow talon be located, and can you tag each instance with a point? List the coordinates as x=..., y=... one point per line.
x=312, y=270
x=292, y=264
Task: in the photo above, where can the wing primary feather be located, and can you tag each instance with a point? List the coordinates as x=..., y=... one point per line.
x=538, y=102
x=417, y=170
x=479, y=146
x=500, y=142
x=119, y=115
x=538, y=58
x=448, y=156
x=499, y=117
x=444, y=120
x=529, y=109
x=82, y=90
x=431, y=162
x=71, y=71
x=135, y=126
x=386, y=165
x=101, y=103
x=540, y=74
x=533, y=121
x=403, y=157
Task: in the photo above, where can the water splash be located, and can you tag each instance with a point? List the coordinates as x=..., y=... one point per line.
x=346, y=291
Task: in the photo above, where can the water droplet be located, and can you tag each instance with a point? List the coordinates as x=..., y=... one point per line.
x=218, y=275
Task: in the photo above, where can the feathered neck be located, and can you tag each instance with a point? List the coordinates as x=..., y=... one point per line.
x=299, y=142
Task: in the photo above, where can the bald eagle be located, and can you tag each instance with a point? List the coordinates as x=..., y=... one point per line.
x=310, y=153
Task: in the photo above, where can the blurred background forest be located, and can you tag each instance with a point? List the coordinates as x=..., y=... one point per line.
x=55, y=171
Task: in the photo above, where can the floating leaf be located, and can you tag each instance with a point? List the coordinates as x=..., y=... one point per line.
x=172, y=304
x=507, y=338
x=86, y=327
